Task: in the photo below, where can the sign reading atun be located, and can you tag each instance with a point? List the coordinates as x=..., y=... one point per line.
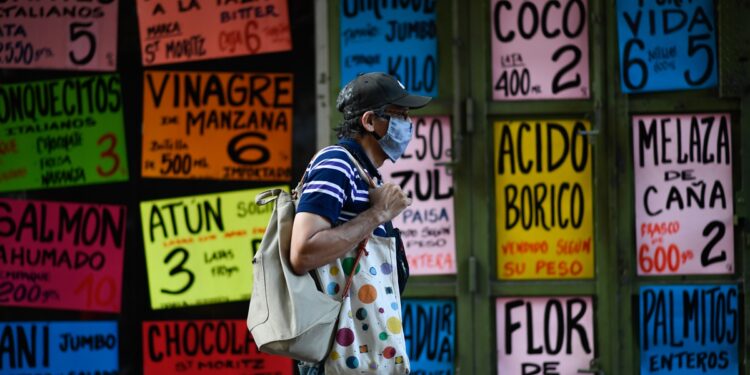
x=53, y=34
x=683, y=194
x=544, y=200
x=61, y=133
x=230, y=126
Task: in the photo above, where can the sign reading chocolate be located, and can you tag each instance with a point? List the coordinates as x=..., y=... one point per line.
x=61, y=255
x=230, y=126
x=199, y=248
x=59, y=348
x=50, y=34
x=61, y=133
x=206, y=347
x=188, y=30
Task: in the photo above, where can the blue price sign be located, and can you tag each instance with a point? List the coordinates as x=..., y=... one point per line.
x=399, y=38
x=689, y=330
x=430, y=330
x=667, y=45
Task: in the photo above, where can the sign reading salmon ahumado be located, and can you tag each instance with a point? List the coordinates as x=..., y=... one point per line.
x=430, y=333
x=683, y=194
x=540, y=49
x=395, y=37
x=667, y=45
x=188, y=30
x=231, y=126
x=53, y=34
x=544, y=200
x=206, y=347
x=199, y=248
x=61, y=133
x=689, y=329
x=61, y=255
x=428, y=225
x=544, y=335
x=59, y=348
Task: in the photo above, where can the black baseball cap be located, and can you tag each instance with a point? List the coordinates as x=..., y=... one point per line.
x=373, y=90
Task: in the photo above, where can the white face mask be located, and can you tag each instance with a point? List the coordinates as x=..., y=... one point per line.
x=395, y=141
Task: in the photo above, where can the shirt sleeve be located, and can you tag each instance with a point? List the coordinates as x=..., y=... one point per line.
x=329, y=181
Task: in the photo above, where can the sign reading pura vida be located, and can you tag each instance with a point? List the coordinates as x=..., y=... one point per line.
x=231, y=126
x=544, y=200
x=690, y=330
x=428, y=225
x=61, y=255
x=396, y=37
x=62, y=133
x=667, y=45
x=683, y=194
x=198, y=248
x=187, y=30
x=540, y=49
x=51, y=34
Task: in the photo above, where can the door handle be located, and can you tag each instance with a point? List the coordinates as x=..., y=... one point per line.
x=593, y=368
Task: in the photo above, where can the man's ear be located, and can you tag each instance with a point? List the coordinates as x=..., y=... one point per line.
x=366, y=121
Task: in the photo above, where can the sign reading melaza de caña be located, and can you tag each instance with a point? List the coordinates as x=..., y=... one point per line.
x=229, y=126
x=62, y=133
x=199, y=248
x=210, y=347
x=53, y=34
x=428, y=225
x=690, y=329
x=544, y=200
x=540, y=49
x=544, y=335
x=61, y=255
x=59, y=348
x=187, y=30
x=683, y=194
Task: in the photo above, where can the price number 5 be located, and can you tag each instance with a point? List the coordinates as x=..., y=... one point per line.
x=79, y=30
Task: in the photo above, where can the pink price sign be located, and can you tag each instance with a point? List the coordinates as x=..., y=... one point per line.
x=428, y=225
x=53, y=34
x=540, y=49
x=683, y=194
x=61, y=255
x=188, y=30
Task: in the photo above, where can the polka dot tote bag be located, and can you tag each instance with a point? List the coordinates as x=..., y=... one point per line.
x=369, y=337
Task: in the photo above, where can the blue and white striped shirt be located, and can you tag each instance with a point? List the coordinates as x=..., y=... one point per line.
x=334, y=189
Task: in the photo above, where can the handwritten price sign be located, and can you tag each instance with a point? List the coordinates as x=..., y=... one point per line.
x=188, y=30
x=49, y=34
x=683, y=190
x=199, y=248
x=540, y=49
x=62, y=133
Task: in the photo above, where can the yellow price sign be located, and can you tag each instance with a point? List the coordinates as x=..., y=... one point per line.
x=199, y=248
x=544, y=200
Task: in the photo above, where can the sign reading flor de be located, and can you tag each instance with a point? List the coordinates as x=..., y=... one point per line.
x=187, y=30
x=230, y=126
x=544, y=200
x=430, y=332
x=62, y=133
x=683, y=194
x=544, y=335
x=690, y=330
x=59, y=348
x=428, y=225
x=210, y=347
x=667, y=45
x=199, y=248
x=540, y=49
x=61, y=255
x=396, y=37
x=52, y=34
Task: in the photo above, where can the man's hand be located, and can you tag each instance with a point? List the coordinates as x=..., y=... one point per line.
x=388, y=200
